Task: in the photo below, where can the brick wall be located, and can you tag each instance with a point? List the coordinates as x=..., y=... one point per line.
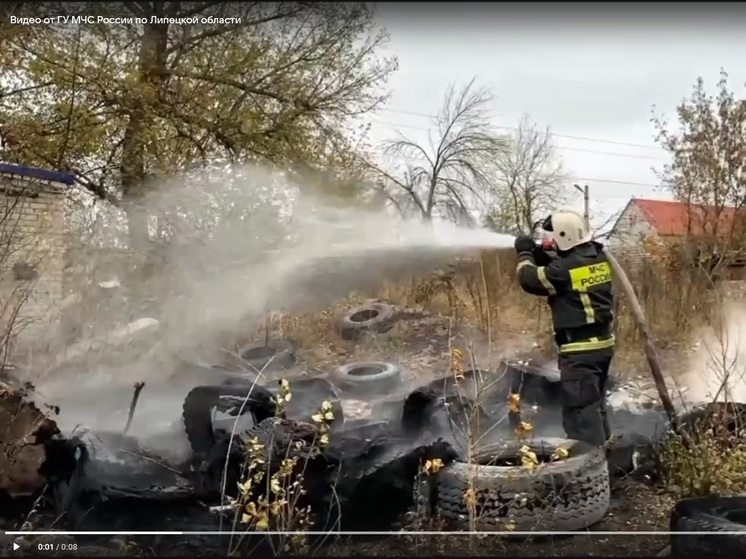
x=32, y=249
x=627, y=240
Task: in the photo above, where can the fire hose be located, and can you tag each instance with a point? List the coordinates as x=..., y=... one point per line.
x=642, y=324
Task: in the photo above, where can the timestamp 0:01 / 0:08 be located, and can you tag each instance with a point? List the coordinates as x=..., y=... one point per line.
x=57, y=547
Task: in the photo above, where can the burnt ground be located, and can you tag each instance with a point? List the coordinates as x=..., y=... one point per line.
x=421, y=343
x=635, y=507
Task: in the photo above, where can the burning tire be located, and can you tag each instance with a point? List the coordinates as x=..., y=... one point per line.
x=376, y=318
x=559, y=495
x=709, y=514
x=368, y=377
x=276, y=355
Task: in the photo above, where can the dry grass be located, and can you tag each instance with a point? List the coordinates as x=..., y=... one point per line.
x=485, y=294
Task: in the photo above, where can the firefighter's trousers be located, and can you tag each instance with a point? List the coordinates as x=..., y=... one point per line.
x=583, y=376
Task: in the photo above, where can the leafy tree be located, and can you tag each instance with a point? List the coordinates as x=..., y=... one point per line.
x=120, y=102
x=708, y=164
x=457, y=167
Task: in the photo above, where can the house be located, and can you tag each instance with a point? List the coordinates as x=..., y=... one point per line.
x=672, y=221
x=32, y=249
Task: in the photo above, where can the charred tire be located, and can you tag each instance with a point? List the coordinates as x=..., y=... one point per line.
x=277, y=355
x=111, y=470
x=490, y=388
x=197, y=413
x=564, y=495
x=709, y=514
x=715, y=415
x=376, y=318
x=368, y=377
x=536, y=385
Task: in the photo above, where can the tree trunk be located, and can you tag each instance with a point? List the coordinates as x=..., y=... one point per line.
x=151, y=75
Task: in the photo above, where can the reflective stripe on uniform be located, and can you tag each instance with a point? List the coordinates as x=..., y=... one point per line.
x=585, y=277
x=590, y=314
x=541, y=273
x=588, y=345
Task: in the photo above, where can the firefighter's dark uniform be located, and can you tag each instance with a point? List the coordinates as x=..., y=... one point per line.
x=577, y=285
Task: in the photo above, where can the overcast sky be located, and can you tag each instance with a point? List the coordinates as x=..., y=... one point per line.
x=593, y=76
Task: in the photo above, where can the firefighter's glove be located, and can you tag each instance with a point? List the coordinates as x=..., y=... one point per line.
x=525, y=243
x=541, y=258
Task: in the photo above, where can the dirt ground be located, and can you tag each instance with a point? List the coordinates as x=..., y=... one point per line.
x=419, y=341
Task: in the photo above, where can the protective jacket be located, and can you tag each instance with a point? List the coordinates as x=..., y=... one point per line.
x=578, y=288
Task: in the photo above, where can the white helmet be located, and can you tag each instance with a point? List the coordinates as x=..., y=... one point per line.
x=569, y=229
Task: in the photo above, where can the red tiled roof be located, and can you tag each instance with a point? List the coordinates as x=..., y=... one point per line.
x=674, y=218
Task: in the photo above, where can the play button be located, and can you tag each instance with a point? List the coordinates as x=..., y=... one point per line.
x=15, y=546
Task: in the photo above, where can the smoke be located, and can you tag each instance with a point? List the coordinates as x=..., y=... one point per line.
x=293, y=250
x=238, y=241
x=717, y=368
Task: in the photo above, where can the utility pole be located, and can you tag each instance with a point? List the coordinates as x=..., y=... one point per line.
x=586, y=203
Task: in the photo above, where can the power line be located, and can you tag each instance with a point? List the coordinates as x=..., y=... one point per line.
x=605, y=180
x=563, y=148
x=579, y=178
x=581, y=138
x=612, y=181
x=612, y=153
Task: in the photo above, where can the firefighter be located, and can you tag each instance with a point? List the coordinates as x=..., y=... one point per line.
x=577, y=284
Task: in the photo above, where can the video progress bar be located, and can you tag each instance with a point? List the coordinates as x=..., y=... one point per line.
x=363, y=533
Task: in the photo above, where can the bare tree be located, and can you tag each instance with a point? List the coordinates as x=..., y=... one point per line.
x=530, y=180
x=456, y=168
